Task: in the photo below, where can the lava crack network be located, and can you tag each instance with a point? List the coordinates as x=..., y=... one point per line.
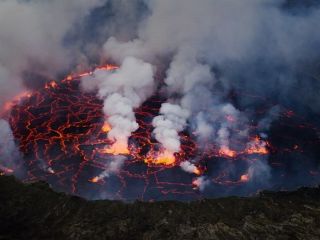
x=63, y=137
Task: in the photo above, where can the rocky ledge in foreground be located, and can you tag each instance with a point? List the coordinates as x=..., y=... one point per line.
x=34, y=211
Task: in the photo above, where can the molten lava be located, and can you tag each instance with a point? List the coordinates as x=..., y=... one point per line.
x=245, y=178
x=106, y=127
x=163, y=157
x=94, y=180
x=118, y=148
x=257, y=146
x=225, y=151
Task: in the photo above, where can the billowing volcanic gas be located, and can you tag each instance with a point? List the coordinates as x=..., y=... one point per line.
x=62, y=133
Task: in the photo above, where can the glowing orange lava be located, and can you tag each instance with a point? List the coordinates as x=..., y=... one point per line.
x=225, y=151
x=51, y=84
x=162, y=158
x=107, y=67
x=106, y=127
x=94, y=180
x=244, y=178
x=197, y=171
x=6, y=170
x=257, y=146
x=118, y=148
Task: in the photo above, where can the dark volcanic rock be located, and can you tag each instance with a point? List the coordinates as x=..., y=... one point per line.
x=34, y=211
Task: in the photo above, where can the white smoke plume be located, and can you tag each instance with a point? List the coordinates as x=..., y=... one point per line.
x=188, y=167
x=259, y=172
x=112, y=168
x=183, y=76
x=118, y=51
x=168, y=124
x=43, y=165
x=9, y=153
x=201, y=182
x=122, y=91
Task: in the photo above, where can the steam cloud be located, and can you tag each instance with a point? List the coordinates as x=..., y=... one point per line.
x=188, y=167
x=9, y=153
x=32, y=39
x=122, y=92
x=167, y=126
x=113, y=167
